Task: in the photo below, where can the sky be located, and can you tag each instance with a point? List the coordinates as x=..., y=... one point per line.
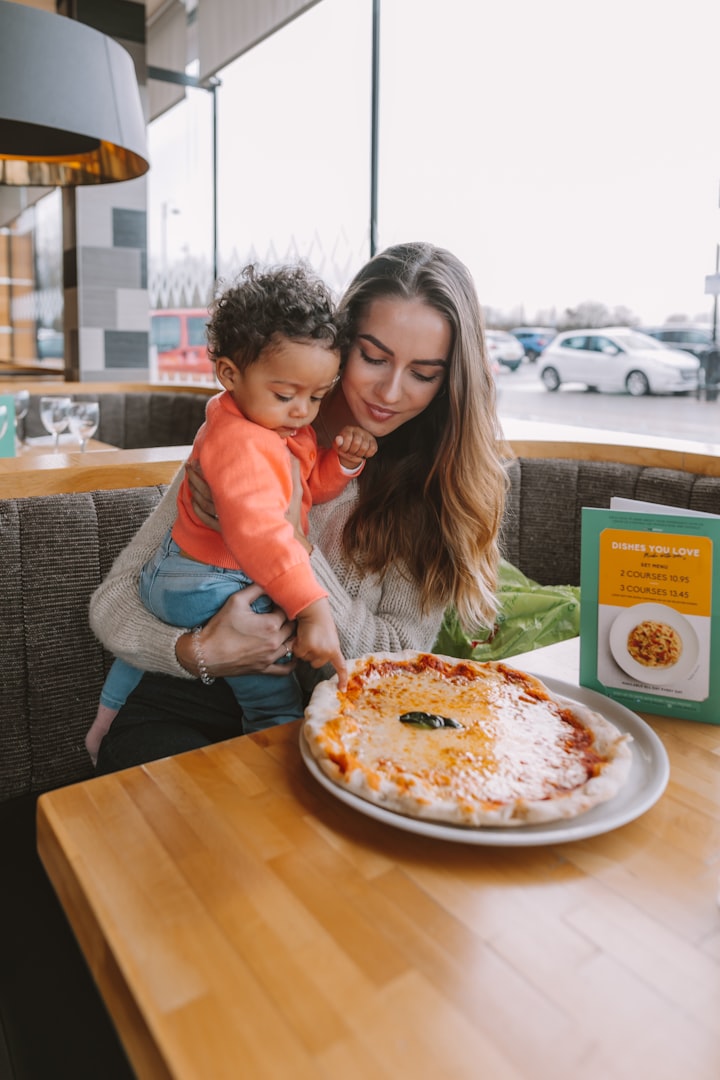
x=566, y=151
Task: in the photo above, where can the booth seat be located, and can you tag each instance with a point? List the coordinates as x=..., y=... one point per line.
x=131, y=419
x=56, y=549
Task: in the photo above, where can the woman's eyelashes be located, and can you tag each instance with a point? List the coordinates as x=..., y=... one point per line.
x=373, y=359
x=427, y=378
x=377, y=360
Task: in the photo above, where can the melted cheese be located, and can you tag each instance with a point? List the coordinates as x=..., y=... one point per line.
x=515, y=745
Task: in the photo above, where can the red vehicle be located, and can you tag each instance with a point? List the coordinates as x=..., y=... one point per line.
x=181, y=343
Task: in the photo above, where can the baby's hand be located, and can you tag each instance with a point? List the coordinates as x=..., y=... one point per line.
x=317, y=640
x=354, y=446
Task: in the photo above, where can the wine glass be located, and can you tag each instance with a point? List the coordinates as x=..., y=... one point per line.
x=22, y=404
x=54, y=415
x=83, y=418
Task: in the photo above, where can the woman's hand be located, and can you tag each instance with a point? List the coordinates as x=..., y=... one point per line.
x=202, y=500
x=238, y=641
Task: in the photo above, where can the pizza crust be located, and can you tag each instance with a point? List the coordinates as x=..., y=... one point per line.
x=522, y=755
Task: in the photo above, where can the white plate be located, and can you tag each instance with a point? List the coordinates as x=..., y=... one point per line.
x=647, y=781
x=666, y=676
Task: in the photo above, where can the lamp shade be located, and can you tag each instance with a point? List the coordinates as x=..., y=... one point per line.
x=70, y=110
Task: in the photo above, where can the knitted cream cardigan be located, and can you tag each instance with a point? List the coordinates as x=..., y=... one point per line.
x=371, y=616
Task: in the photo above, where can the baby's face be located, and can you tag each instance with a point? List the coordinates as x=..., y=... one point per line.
x=283, y=389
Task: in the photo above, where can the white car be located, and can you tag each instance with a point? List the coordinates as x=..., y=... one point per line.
x=504, y=348
x=617, y=358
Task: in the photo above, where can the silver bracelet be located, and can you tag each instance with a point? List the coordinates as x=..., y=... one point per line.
x=205, y=676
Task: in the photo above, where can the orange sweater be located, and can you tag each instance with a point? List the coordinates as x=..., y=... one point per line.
x=248, y=468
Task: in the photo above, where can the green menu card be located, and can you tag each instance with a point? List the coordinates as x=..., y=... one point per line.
x=650, y=610
x=7, y=425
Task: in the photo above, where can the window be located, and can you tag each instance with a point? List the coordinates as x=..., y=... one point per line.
x=293, y=176
x=600, y=343
x=31, y=286
x=197, y=330
x=165, y=332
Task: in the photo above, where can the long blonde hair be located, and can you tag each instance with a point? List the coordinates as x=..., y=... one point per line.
x=431, y=501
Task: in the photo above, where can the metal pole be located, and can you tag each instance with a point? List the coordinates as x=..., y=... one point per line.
x=214, y=86
x=374, y=116
x=715, y=299
x=163, y=234
x=715, y=296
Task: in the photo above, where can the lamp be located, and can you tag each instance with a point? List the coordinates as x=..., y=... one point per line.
x=70, y=110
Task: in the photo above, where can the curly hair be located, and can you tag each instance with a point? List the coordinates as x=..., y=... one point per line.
x=287, y=301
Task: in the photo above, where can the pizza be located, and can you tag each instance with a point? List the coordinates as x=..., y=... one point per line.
x=462, y=742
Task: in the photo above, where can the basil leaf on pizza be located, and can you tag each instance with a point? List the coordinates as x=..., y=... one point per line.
x=463, y=742
x=428, y=720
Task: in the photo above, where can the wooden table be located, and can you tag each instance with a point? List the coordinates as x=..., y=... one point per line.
x=242, y=922
x=42, y=471
x=68, y=444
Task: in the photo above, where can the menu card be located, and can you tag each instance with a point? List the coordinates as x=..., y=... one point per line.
x=7, y=425
x=650, y=610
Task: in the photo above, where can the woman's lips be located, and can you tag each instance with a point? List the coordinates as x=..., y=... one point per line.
x=378, y=414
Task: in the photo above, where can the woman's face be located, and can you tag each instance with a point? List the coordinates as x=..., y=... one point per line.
x=397, y=363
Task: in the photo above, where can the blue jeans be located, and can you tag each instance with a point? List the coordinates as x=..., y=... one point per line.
x=183, y=592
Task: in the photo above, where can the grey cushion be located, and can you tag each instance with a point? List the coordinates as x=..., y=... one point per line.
x=54, y=551
x=134, y=419
x=541, y=530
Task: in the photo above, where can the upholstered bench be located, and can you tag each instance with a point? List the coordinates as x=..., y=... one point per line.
x=55, y=550
x=134, y=419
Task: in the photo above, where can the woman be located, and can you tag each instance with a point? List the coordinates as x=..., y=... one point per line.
x=416, y=532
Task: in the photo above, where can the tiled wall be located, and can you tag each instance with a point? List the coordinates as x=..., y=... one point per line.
x=105, y=239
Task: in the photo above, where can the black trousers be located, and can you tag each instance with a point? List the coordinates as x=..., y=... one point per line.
x=165, y=716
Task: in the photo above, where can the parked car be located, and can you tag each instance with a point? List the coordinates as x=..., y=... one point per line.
x=617, y=358
x=694, y=339
x=179, y=335
x=504, y=348
x=534, y=339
